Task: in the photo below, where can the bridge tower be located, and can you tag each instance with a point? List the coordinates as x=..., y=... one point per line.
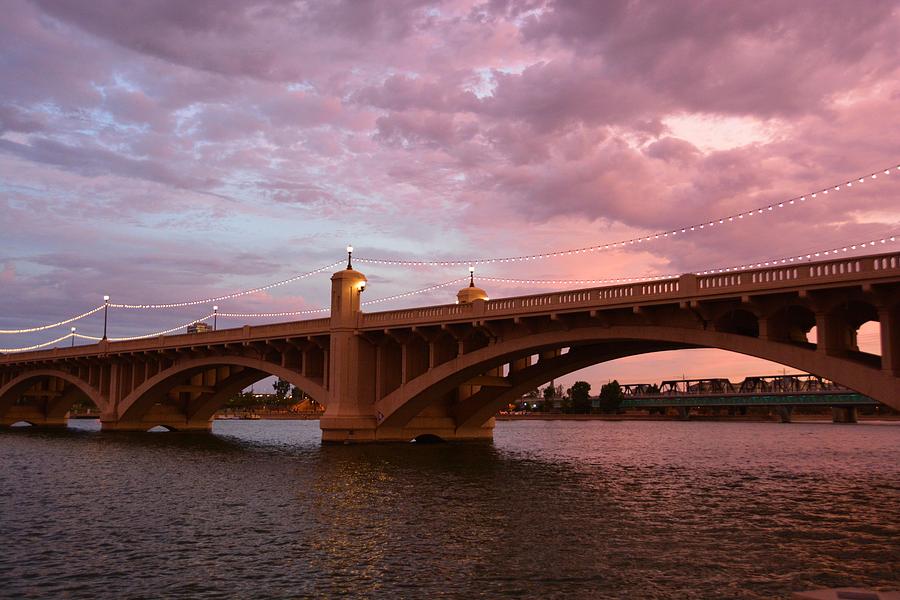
x=349, y=415
x=365, y=365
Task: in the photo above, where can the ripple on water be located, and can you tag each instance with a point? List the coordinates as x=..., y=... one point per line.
x=551, y=509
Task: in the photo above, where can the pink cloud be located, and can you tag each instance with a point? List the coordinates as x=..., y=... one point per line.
x=217, y=145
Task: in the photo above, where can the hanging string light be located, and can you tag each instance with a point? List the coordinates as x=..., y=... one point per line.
x=146, y=335
x=294, y=313
x=416, y=292
x=52, y=325
x=232, y=295
x=672, y=233
x=36, y=346
x=802, y=258
x=576, y=281
x=798, y=258
x=793, y=259
x=322, y=310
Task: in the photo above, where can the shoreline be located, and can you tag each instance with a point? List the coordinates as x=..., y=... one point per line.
x=575, y=417
x=715, y=418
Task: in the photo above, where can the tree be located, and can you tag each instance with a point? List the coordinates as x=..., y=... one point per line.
x=611, y=396
x=282, y=389
x=580, y=393
x=243, y=400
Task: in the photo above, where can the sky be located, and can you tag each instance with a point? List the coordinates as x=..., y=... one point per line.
x=162, y=151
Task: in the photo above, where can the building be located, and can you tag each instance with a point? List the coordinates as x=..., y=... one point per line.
x=198, y=328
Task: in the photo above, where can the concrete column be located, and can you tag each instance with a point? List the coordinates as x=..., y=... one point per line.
x=687, y=284
x=784, y=413
x=843, y=414
x=767, y=329
x=351, y=366
x=520, y=364
x=830, y=334
x=889, y=322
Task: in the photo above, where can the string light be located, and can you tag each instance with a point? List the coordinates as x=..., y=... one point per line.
x=803, y=258
x=52, y=325
x=276, y=314
x=321, y=310
x=416, y=292
x=799, y=258
x=37, y=346
x=684, y=229
x=232, y=295
x=146, y=335
x=793, y=259
x=577, y=281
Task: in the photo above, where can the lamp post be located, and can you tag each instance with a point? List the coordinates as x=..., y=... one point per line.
x=105, y=314
x=73, y=337
x=215, y=316
x=349, y=256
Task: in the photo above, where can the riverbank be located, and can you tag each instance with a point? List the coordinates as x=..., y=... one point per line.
x=796, y=418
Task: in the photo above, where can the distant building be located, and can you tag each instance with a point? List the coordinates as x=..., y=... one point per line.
x=198, y=328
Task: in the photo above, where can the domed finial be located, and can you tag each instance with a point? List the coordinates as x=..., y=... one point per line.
x=349, y=257
x=467, y=295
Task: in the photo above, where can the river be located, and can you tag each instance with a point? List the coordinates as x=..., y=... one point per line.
x=551, y=509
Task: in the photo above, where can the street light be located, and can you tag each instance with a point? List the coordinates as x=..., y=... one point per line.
x=349, y=256
x=105, y=314
x=215, y=316
x=73, y=337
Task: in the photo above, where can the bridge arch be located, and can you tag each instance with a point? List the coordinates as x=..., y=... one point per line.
x=146, y=406
x=399, y=407
x=58, y=401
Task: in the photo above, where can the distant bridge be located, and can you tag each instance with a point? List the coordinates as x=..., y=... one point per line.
x=784, y=392
x=446, y=370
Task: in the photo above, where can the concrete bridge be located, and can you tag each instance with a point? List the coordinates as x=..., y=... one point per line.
x=446, y=370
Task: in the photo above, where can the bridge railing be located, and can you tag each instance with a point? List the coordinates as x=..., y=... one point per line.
x=685, y=286
x=801, y=272
x=425, y=313
x=205, y=338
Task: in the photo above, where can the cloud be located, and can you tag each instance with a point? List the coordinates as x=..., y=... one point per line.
x=167, y=149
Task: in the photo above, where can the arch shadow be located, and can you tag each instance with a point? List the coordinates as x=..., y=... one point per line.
x=404, y=403
x=138, y=403
x=80, y=390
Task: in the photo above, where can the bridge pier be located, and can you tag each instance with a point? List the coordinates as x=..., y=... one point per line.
x=844, y=414
x=684, y=413
x=140, y=426
x=785, y=413
x=33, y=416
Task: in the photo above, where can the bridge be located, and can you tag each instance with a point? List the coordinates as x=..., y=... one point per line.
x=783, y=392
x=446, y=370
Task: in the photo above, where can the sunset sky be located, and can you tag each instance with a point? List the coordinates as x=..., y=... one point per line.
x=161, y=151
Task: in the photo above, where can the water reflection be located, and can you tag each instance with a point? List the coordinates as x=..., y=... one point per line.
x=601, y=510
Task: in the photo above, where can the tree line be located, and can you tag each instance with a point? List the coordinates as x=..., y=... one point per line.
x=577, y=399
x=284, y=395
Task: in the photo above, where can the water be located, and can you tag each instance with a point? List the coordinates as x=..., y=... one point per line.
x=550, y=510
